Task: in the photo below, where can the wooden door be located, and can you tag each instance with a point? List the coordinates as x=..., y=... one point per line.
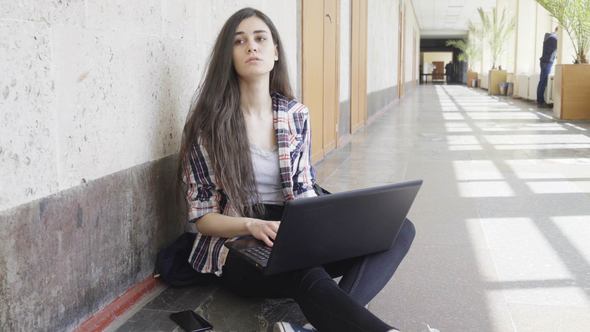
x=358, y=65
x=439, y=70
x=320, y=72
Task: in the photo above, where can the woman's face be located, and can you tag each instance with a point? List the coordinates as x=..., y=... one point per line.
x=254, y=52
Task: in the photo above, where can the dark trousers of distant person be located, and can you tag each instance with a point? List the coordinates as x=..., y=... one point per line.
x=545, y=70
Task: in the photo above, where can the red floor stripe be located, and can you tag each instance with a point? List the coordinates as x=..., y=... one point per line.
x=100, y=320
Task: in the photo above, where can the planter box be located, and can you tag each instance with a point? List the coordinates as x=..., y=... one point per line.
x=495, y=77
x=471, y=76
x=510, y=78
x=571, y=92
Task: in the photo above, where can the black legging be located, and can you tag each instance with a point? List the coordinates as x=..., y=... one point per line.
x=326, y=305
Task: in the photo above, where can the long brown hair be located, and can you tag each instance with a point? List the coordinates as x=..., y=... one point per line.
x=216, y=119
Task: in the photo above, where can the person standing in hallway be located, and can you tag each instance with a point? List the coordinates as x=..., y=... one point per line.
x=245, y=151
x=546, y=63
x=449, y=72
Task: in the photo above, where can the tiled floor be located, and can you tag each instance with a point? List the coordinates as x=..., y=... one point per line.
x=503, y=219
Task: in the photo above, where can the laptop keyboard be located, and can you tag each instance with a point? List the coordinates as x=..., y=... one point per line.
x=259, y=254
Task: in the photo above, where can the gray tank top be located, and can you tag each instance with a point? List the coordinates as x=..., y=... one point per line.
x=268, y=178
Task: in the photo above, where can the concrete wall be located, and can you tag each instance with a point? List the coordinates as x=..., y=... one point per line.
x=92, y=87
x=382, y=53
x=93, y=98
x=344, y=99
x=382, y=43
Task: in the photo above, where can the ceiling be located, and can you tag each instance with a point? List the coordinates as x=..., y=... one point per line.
x=447, y=18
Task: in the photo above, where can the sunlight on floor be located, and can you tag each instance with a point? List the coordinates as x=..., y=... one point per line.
x=564, y=168
x=537, y=139
x=484, y=189
x=560, y=187
x=577, y=230
x=476, y=170
x=535, y=256
x=529, y=268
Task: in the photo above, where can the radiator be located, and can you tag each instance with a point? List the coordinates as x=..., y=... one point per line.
x=522, y=86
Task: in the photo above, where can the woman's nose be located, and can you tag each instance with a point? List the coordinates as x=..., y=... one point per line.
x=252, y=47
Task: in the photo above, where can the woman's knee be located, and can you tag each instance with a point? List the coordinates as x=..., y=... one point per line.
x=308, y=278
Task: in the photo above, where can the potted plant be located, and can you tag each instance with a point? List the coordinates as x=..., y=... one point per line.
x=572, y=81
x=496, y=29
x=469, y=51
x=476, y=37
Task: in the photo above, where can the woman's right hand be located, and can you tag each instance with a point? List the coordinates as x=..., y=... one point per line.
x=263, y=230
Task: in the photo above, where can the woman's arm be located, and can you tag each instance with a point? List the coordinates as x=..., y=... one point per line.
x=215, y=224
x=204, y=208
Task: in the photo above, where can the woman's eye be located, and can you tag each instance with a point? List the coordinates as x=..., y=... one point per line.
x=261, y=38
x=238, y=41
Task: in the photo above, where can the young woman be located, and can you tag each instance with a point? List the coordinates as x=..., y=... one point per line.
x=245, y=151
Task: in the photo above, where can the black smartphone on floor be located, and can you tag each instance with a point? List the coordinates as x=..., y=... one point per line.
x=190, y=321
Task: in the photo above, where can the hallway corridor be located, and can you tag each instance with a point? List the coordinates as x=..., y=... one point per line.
x=503, y=217
x=503, y=221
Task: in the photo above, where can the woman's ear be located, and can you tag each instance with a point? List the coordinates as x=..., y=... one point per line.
x=276, y=53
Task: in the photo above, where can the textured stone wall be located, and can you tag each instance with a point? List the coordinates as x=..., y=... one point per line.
x=69, y=254
x=89, y=88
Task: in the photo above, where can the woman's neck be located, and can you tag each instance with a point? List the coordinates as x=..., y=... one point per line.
x=255, y=97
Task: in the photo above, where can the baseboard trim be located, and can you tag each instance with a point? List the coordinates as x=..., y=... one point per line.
x=101, y=319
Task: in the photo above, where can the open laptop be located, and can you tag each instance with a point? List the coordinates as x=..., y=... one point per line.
x=319, y=230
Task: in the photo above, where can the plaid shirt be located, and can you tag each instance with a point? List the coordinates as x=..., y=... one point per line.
x=291, y=124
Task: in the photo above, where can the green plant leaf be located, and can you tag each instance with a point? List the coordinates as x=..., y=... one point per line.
x=496, y=29
x=574, y=17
